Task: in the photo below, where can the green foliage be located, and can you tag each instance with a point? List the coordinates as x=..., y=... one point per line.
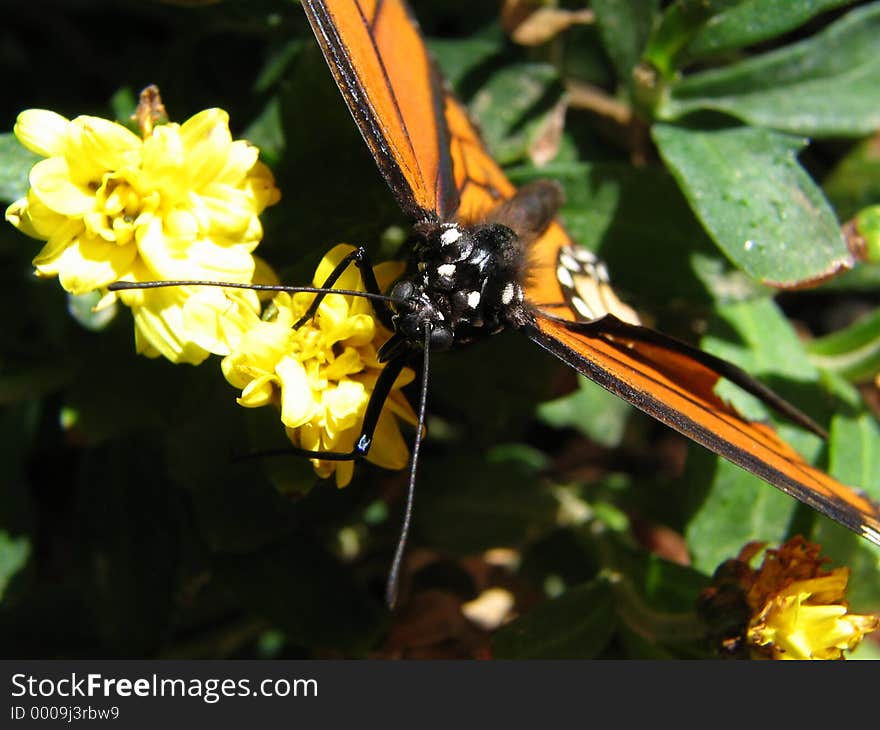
x=134, y=519
x=820, y=86
x=759, y=205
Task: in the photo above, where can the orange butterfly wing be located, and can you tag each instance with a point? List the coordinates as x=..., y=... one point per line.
x=381, y=65
x=678, y=390
x=437, y=166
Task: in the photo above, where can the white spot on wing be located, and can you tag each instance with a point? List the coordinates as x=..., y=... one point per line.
x=871, y=534
x=569, y=262
x=473, y=299
x=447, y=270
x=580, y=306
x=564, y=276
x=583, y=255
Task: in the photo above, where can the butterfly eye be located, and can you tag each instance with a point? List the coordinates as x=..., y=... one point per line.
x=442, y=339
x=402, y=291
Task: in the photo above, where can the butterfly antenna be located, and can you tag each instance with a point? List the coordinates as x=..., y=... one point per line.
x=394, y=575
x=127, y=285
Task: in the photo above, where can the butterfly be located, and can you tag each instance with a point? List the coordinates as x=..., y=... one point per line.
x=488, y=256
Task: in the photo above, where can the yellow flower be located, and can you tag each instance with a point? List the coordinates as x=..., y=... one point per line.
x=809, y=620
x=181, y=203
x=789, y=608
x=323, y=374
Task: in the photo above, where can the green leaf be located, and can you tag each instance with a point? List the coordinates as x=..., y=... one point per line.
x=737, y=508
x=36, y=381
x=761, y=207
x=825, y=85
x=277, y=62
x=854, y=459
x=758, y=337
x=592, y=410
x=512, y=106
x=123, y=105
x=82, y=308
x=680, y=22
x=16, y=162
x=751, y=21
x=467, y=505
x=128, y=513
x=732, y=506
x=19, y=426
x=855, y=451
x=459, y=58
x=855, y=182
x=315, y=600
x=577, y=625
x=630, y=216
x=236, y=507
x=853, y=352
x=267, y=133
x=14, y=555
x=656, y=599
x=624, y=26
x=867, y=224
x=846, y=548
x=490, y=400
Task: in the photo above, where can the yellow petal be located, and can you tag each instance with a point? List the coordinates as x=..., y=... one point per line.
x=388, y=272
x=344, y=473
x=348, y=363
x=332, y=313
x=159, y=322
x=95, y=146
x=400, y=407
x=181, y=224
x=389, y=449
x=356, y=331
x=344, y=407
x=261, y=185
x=330, y=261
x=47, y=261
x=18, y=214
x=206, y=141
x=51, y=183
x=164, y=165
x=222, y=210
x=90, y=263
x=41, y=131
x=164, y=256
x=43, y=220
x=223, y=263
x=238, y=160
x=216, y=320
x=261, y=347
x=259, y=392
x=264, y=273
x=297, y=399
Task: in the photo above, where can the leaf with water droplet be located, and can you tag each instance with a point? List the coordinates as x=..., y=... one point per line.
x=790, y=236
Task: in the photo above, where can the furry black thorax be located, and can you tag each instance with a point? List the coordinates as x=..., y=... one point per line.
x=462, y=281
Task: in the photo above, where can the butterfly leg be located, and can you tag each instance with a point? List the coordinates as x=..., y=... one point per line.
x=371, y=418
x=361, y=259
